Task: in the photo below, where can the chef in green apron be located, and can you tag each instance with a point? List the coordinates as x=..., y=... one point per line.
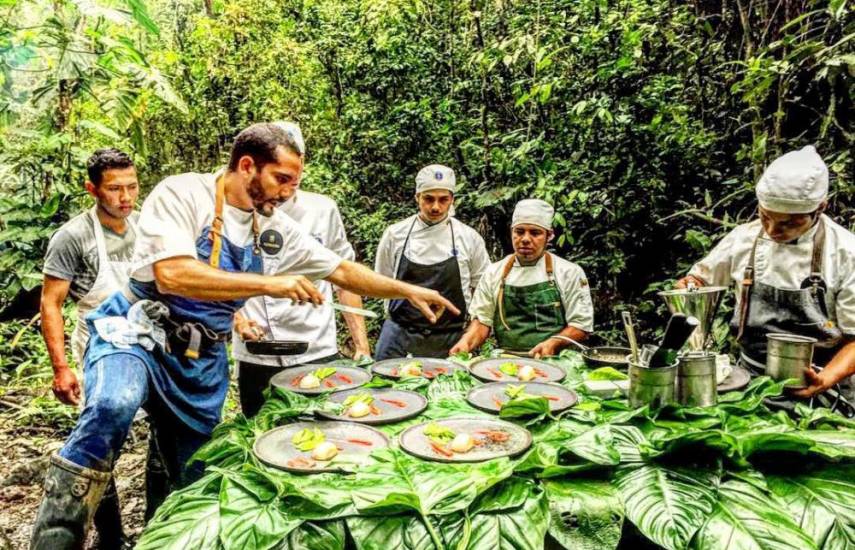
x=794, y=272
x=532, y=299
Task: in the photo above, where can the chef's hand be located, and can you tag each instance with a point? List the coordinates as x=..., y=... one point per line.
x=684, y=282
x=459, y=347
x=361, y=353
x=430, y=303
x=547, y=348
x=817, y=383
x=296, y=287
x=65, y=385
x=249, y=330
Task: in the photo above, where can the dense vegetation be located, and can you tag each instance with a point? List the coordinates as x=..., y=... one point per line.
x=646, y=122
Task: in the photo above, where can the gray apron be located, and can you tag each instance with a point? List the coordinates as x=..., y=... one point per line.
x=766, y=309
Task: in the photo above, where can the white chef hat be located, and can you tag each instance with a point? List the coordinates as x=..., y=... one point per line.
x=294, y=132
x=795, y=183
x=435, y=176
x=533, y=211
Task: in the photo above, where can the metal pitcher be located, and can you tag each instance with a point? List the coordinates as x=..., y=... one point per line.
x=789, y=356
x=696, y=379
x=654, y=387
x=699, y=301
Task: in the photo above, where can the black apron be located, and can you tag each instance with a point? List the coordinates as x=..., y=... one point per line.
x=406, y=331
x=765, y=309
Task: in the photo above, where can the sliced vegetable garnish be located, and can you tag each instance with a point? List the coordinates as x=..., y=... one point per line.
x=324, y=372
x=515, y=391
x=509, y=368
x=308, y=438
x=606, y=373
x=364, y=397
x=439, y=434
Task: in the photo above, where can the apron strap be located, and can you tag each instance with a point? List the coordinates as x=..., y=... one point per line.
x=500, y=297
x=747, y=283
x=818, y=248
x=216, y=233
x=404, y=248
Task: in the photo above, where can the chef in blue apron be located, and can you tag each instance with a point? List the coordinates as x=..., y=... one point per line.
x=794, y=272
x=159, y=344
x=432, y=249
x=532, y=301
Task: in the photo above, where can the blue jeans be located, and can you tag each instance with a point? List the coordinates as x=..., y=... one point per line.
x=117, y=386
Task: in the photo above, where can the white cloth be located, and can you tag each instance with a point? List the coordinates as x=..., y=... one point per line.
x=436, y=176
x=320, y=218
x=795, y=183
x=135, y=328
x=785, y=266
x=533, y=211
x=112, y=277
x=569, y=278
x=431, y=244
x=180, y=210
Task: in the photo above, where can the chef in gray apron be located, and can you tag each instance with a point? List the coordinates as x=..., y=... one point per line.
x=435, y=250
x=794, y=269
x=532, y=301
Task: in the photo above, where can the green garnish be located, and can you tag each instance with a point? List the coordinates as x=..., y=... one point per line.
x=509, y=368
x=308, y=438
x=325, y=372
x=515, y=391
x=606, y=373
x=364, y=397
x=439, y=434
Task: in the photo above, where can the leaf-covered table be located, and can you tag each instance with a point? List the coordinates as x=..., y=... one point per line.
x=598, y=476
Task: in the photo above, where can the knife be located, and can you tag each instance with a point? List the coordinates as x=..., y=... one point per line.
x=354, y=310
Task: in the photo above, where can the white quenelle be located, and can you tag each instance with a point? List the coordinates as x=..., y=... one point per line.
x=359, y=409
x=310, y=382
x=462, y=443
x=325, y=450
x=526, y=373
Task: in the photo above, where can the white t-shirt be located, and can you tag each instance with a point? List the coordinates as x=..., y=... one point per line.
x=431, y=244
x=569, y=278
x=320, y=218
x=785, y=266
x=180, y=208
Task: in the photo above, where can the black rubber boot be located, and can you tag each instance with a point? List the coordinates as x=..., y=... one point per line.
x=108, y=520
x=157, y=484
x=72, y=494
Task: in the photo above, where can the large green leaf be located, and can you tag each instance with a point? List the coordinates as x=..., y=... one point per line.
x=666, y=504
x=193, y=523
x=746, y=518
x=523, y=528
x=586, y=514
x=822, y=503
x=321, y=535
x=404, y=531
x=247, y=521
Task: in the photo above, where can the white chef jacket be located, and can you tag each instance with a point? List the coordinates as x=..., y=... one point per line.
x=431, y=244
x=785, y=266
x=569, y=278
x=319, y=216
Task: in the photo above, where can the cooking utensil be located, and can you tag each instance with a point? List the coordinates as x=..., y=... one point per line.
x=391, y=406
x=491, y=397
x=680, y=327
x=490, y=370
x=699, y=302
x=696, y=379
x=630, y=335
x=789, y=356
x=276, y=347
x=572, y=341
x=356, y=441
x=344, y=378
x=605, y=356
x=354, y=310
x=414, y=441
x=654, y=387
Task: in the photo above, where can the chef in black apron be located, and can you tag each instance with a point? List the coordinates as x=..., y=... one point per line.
x=794, y=269
x=432, y=249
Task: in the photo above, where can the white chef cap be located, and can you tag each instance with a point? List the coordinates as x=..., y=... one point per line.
x=533, y=211
x=795, y=183
x=294, y=132
x=435, y=176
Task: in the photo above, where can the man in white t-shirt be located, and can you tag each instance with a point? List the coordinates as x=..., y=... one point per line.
x=261, y=316
x=160, y=343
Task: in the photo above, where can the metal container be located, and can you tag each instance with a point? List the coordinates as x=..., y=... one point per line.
x=654, y=387
x=789, y=356
x=696, y=379
x=699, y=301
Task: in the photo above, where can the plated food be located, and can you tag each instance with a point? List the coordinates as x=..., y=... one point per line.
x=519, y=369
x=413, y=367
x=491, y=397
x=465, y=440
x=318, y=379
x=373, y=406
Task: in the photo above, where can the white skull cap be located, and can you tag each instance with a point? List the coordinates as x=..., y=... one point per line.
x=533, y=211
x=293, y=130
x=435, y=176
x=795, y=183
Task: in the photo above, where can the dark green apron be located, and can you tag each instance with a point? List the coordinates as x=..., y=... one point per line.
x=527, y=315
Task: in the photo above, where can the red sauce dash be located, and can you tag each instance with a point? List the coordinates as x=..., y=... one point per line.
x=329, y=383
x=496, y=374
x=359, y=441
x=441, y=370
x=540, y=373
x=301, y=462
x=374, y=410
x=394, y=371
x=440, y=450
x=296, y=381
x=497, y=402
x=494, y=435
x=344, y=378
x=395, y=403
x=552, y=398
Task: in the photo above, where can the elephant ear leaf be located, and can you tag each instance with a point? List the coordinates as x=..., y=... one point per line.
x=745, y=517
x=667, y=505
x=822, y=502
x=586, y=514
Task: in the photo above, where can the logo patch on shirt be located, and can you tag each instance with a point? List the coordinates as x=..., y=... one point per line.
x=271, y=241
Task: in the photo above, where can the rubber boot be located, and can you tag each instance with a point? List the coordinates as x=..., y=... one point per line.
x=108, y=520
x=72, y=494
x=157, y=482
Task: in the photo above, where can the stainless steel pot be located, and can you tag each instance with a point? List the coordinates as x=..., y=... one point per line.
x=789, y=356
x=696, y=379
x=654, y=387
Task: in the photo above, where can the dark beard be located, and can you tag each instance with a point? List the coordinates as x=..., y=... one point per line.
x=256, y=193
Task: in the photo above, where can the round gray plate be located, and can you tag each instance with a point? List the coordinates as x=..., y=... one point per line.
x=487, y=370
x=490, y=397
x=289, y=379
x=275, y=449
x=414, y=441
x=431, y=367
x=736, y=380
x=387, y=401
